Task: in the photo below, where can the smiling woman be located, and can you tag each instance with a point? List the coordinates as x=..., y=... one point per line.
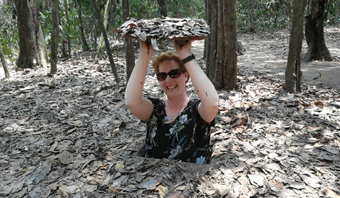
x=178, y=127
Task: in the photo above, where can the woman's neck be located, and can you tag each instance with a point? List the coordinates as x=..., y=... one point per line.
x=175, y=106
x=177, y=103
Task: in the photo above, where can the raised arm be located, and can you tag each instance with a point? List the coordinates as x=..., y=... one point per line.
x=139, y=106
x=203, y=86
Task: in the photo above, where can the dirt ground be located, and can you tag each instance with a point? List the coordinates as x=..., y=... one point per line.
x=268, y=53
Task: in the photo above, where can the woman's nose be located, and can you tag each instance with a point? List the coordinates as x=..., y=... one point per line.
x=168, y=78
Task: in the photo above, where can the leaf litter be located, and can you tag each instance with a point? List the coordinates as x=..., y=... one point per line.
x=71, y=135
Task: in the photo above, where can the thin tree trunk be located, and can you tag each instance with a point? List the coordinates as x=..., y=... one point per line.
x=108, y=49
x=289, y=9
x=63, y=48
x=211, y=65
x=55, y=34
x=111, y=14
x=85, y=45
x=295, y=45
x=230, y=43
x=251, y=27
x=218, y=77
x=68, y=30
x=4, y=64
x=162, y=8
x=207, y=40
x=130, y=55
x=101, y=40
x=42, y=48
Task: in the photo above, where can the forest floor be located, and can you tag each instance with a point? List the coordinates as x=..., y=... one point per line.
x=71, y=135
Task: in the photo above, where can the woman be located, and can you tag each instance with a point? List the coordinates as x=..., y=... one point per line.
x=177, y=127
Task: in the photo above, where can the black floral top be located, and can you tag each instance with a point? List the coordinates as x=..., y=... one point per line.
x=186, y=138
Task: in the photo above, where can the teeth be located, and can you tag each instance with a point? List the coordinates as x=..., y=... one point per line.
x=172, y=87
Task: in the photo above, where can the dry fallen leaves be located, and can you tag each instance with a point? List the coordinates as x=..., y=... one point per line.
x=72, y=135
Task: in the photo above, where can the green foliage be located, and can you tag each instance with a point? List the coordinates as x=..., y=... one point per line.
x=268, y=14
x=189, y=8
x=46, y=23
x=6, y=50
x=9, y=34
x=149, y=9
x=333, y=13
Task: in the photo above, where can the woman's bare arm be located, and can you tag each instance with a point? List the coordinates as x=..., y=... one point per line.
x=140, y=107
x=203, y=86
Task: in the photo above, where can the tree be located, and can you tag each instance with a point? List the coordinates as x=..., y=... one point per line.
x=107, y=44
x=85, y=45
x=289, y=9
x=30, y=40
x=3, y=61
x=314, y=32
x=130, y=55
x=55, y=34
x=222, y=43
x=162, y=8
x=230, y=45
x=295, y=45
x=207, y=18
x=68, y=30
x=212, y=39
x=251, y=27
x=106, y=16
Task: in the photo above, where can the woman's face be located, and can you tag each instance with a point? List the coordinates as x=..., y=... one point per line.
x=172, y=86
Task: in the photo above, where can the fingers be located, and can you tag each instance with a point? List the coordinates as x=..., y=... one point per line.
x=182, y=45
x=183, y=50
x=146, y=46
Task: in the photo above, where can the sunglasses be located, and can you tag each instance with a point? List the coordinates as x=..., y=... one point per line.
x=175, y=73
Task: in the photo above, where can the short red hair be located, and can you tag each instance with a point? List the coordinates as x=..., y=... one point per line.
x=169, y=55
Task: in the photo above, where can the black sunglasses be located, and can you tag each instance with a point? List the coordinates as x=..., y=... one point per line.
x=175, y=73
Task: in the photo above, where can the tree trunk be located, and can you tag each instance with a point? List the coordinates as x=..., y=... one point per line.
x=68, y=30
x=230, y=43
x=55, y=34
x=218, y=76
x=251, y=27
x=314, y=33
x=101, y=40
x=112, y=11
x=28, y=27
x=63, y=48
x=130, y=55
x=42, y=48
x=211, y=62
x=4, y=64
x=222, y=56
x=289, y=9
x=85, y=45
x=295, y=45
x=162, y=8
x=108, y=49
x=208, y=19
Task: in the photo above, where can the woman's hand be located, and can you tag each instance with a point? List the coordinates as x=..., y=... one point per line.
x=145, y=47
x=183, y=51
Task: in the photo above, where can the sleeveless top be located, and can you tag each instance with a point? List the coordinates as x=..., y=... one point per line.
x=187, y=138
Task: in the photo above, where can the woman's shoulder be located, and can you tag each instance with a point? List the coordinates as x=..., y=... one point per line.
x=194, y=102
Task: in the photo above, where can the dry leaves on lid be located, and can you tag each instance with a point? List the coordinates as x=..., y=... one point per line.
x=164, y=28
